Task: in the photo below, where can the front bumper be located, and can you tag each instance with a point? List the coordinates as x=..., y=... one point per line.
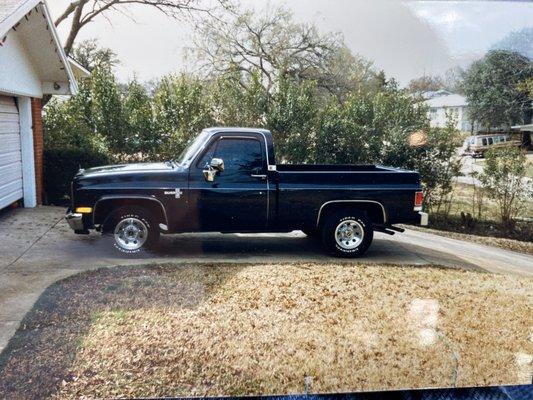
x=75, y=221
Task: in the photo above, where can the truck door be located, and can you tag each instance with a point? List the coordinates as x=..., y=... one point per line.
x=237, y=199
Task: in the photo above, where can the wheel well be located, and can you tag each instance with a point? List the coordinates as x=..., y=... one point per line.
x=374, y=211
x=104, y=208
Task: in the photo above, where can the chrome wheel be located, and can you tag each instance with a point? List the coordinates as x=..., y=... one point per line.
x=349, y=234
x=131, y=234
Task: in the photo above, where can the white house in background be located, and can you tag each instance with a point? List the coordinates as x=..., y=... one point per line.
x=442, y=104
x=32, y=65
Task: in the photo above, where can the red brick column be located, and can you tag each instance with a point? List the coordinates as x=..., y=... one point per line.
x=37, y=126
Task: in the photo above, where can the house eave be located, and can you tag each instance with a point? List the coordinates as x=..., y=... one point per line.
x=72, y=80
x=18, y=15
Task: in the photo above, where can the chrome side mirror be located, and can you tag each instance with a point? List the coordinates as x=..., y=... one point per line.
x=209, y=174
x=217, y=164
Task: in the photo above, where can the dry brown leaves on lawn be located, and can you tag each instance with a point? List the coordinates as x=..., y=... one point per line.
x=262, y=329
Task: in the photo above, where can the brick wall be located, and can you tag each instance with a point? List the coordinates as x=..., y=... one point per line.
x=37, y=126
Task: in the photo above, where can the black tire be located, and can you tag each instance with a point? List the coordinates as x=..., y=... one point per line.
x=360, y=226
x=147, y=224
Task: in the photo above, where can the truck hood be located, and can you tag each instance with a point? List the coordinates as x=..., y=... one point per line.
x=108, y=170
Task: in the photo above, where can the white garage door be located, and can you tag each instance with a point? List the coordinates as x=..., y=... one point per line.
x=10, y=154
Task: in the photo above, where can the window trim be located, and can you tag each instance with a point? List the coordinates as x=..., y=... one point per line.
x=215, y=140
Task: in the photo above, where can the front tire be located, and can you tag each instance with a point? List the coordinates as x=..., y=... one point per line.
x=347, y=233
x=133, y=230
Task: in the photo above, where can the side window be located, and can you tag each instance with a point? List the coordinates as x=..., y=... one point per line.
x=490, y=141
x=241, y=157
x=484, y=141
x=207, y=156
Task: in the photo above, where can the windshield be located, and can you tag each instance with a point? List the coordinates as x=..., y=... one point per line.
x=192, y=148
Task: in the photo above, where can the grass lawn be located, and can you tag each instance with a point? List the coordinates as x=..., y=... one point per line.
x=262, y=329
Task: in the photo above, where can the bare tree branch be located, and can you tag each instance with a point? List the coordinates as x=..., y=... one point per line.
x=272, y=44
x=84, y=11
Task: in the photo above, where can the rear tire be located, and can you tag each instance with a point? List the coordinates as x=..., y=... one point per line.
x=347, y=233
x=133, y=230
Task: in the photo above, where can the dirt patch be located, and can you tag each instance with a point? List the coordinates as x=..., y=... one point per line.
x=263, y=329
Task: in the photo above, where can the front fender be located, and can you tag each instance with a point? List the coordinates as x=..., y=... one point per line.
x=106, y=204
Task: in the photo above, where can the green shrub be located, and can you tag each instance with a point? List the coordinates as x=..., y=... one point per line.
x=503, y=181
x=60, y=166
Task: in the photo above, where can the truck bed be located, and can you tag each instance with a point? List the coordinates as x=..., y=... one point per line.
x=303, y=189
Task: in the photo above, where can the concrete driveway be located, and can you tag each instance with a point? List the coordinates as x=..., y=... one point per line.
x=37, y=248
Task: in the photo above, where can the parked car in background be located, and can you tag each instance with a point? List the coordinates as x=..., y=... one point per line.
x=228, y=180
x=477, y=145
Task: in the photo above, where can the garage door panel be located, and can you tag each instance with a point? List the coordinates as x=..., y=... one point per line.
x=11, y=198
x=5, y=109
x=8, y=126
x=10, y=173
x=10, y=143
x=10, y=153
x=10, y=157
x=10, y=187
x=10, y=117
x=7, y=105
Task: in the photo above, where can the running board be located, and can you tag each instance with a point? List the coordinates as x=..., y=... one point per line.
x=395, y=228
x=384, y=229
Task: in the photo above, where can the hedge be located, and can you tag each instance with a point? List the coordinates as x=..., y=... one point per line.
x=60, y=166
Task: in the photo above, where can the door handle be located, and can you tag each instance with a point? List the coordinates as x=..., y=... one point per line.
x=258, y=176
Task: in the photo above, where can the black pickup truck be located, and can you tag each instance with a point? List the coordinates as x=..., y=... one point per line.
x=227, y=180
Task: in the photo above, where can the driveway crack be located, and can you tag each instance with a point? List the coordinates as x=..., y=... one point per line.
x=31, y=245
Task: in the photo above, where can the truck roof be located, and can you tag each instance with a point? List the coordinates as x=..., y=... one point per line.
x=214, y=129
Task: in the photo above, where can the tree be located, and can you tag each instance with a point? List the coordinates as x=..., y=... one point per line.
x=292, y=117
x=142, y=139
x=238, y=100
x=520, y=41
x=425, y=83
x=453, y=80
x=91, y=55
x=272, y=44
x=66, y=125
x=181, y=110
x=502, y=179
x=492, y=88
x=82, y=12
x=94, y=117
x=107, y=111
x=526, y=86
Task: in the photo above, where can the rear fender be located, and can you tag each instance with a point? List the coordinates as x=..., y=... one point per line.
x=374, y=209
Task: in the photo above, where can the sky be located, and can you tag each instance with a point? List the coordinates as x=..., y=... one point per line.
x=406, y=39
